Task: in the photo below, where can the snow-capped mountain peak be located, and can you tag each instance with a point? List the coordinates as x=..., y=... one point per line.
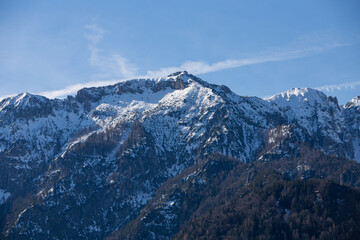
x=302, y=103
x=355, y=102
x=121, y=142
x=22, y=100
x=314, y=112
x=297, y=96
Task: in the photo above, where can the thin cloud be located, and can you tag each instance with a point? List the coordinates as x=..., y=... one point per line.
x=111, y=66
x=118, y=68
x=339, y=87
x=7, y=96
x=74, y=88
x=95, y=35
x=305, y=46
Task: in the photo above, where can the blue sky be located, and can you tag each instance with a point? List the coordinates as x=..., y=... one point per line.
x=257, y=48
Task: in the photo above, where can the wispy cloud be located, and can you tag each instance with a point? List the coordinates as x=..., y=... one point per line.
x=7, y=96
x=109, y=66
x=117, y=68
x=305, y=46
x=112, y=66
x=74, y=88
x=95, y=35
x=339, y=87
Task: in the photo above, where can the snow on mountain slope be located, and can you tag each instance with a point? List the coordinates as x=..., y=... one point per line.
x=204, y=116
x=108, y=149
x=317, y=116
x=133, y=136
x=308, y=107
x=351, y=112
x=355, y=102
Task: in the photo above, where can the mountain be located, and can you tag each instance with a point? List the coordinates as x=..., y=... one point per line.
x=224, y=199
x=352, y=113
x=98, y=164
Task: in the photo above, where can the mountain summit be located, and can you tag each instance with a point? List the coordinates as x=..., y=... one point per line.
x=96, y=161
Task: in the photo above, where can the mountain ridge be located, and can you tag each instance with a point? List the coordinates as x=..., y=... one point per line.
x=293, y=91
x=107, y=150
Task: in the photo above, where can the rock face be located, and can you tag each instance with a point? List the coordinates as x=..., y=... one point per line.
x=352, y=117
x=90, y=163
